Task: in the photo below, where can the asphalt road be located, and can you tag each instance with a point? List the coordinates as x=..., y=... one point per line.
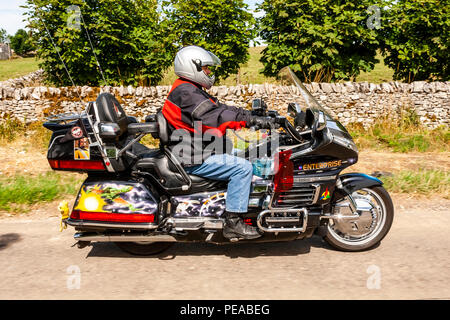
x=412, y=262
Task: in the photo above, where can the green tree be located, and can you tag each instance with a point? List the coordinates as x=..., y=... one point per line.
x=222, y=27
x=129, y=39
x=416, y=37
x=22, y=42
x=3, y=36
x=322, y=40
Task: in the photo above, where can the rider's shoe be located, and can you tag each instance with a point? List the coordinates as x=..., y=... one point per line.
x=235, y=228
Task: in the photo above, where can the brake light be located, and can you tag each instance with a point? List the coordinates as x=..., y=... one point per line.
x=112, y=217
x=284, y=177
x=77, y=164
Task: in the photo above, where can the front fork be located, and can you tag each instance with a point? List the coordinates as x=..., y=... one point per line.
x=345, y=186
x=349, y=197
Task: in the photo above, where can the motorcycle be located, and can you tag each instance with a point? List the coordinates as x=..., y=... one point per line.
x=143, y=200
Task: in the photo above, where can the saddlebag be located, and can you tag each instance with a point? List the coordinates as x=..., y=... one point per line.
x=115, y=201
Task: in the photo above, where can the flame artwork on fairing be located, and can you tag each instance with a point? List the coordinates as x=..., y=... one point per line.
x=115, y=198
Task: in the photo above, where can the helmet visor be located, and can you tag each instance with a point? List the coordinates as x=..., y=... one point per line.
x=213, y=61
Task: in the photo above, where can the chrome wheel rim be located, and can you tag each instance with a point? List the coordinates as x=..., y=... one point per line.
x=358, y=230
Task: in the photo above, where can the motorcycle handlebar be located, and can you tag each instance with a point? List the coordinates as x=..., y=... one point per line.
x=281, y=122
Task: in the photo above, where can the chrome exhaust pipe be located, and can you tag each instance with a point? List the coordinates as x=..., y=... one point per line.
x=262, y=215
x=123, y=238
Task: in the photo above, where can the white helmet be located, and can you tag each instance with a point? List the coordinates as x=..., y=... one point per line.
x=189, y=62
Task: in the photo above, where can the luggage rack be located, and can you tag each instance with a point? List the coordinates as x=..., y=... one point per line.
x=66, y=117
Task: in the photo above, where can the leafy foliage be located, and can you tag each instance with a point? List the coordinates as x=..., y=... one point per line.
x=22, y=43
x=129, y=39
x=222, y=27
x=417, y=39
x=322, y=40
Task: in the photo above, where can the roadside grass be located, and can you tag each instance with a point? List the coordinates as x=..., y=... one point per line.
x=20, y=191
x=423, y=181
x=249, y=72
x=406, y=134
x=15, y=68
x=35, y=133
x=380, y=73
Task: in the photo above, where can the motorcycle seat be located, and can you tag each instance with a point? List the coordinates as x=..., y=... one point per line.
x=156, y=163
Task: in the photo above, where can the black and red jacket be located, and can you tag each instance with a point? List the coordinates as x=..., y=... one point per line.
x=194, y=111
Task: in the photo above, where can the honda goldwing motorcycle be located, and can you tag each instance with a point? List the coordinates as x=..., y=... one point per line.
x=143, y=200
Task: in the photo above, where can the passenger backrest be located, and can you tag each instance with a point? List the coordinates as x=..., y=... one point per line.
x=163, y=128
x=110, y=110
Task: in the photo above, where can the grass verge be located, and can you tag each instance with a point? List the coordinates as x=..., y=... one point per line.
x=18, y=192
x=11, y=129
x=406, y=134
x=423, y=181
x=15, y=68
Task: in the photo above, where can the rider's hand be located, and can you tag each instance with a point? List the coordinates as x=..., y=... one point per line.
x=262, y=123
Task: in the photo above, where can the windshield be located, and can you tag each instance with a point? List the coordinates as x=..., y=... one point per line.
x=302, y=98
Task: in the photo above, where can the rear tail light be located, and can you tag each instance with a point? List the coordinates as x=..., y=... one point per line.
x=284, y=177
x=112, y=217
x=96, y=165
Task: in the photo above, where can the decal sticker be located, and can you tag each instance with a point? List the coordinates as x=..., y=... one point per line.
x=81, y=149
x=115, y=198
x=325, y=195
x=76, y=132
x=320, y=165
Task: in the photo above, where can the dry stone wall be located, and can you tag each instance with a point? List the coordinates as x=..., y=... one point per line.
x=350, y=102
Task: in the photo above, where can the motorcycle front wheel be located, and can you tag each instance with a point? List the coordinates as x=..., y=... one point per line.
x=144, y=248
x=348, y=232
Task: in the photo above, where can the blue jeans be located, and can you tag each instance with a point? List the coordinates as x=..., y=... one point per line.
x=237, y=171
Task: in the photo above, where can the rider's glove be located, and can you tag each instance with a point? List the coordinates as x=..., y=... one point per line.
x=262, y=123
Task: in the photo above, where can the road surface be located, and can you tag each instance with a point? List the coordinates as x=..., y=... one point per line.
x=412, y=262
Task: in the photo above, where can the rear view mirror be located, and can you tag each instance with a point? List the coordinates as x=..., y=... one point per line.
x=321, y=122
x=109, y=130
x=259, y=107
x=294, y=109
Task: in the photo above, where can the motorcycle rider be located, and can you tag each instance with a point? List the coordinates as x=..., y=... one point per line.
x=188, y=103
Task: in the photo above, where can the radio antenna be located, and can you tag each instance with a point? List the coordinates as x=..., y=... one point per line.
x=93, y=51
x=59, y=55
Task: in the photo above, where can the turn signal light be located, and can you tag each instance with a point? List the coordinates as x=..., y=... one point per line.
x=284, y=177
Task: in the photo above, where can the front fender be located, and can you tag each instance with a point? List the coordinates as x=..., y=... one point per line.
x=351, y=182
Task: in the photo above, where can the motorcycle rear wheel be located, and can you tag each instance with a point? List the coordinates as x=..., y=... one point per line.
x=144, y=248
x=367, y=231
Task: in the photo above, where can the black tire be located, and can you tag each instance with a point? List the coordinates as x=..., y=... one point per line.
x=144, y=249
x=389, y=217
